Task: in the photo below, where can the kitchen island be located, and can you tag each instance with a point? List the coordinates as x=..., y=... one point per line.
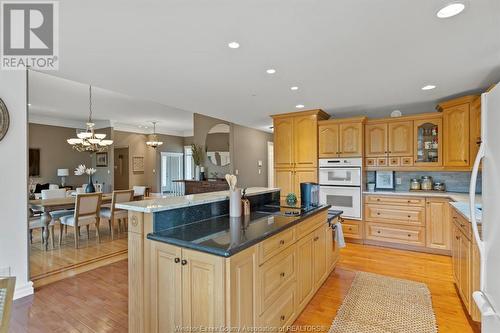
x=194, y=268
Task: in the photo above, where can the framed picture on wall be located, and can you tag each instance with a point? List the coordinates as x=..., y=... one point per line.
x=101, y=159
x=384, y=180
x=138, y=164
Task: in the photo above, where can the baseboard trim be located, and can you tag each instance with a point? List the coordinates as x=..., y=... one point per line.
x=24, y=290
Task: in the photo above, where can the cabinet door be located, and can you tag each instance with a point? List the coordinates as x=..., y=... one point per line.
x=304, y=176
x=328, y=140
x=283, y=143
x=475, y=128
x=202, y=289
x=401, y=138
x=319, y=245
x=456, y=136
x=351, y=139
x=284, y=180
x=427, y=149
x=438, y=224
x=455, y=254
x=305, y=133
x=305, y=270
x=465, y=270
x=165, y=286
x=375, y=140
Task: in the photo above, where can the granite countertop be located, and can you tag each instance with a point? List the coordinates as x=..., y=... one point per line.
x=454, y=196
x=224, y=236
x=172, y=202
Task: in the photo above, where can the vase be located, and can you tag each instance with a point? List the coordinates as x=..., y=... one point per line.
x=90, y=186
x=197, y=173
x=235, y=202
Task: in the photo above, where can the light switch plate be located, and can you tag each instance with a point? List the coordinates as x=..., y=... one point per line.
x=236, y=172
x=398, y=180
x=259, y=163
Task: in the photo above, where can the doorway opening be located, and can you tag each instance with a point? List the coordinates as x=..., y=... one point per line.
x=121, y=166
x=172, y=172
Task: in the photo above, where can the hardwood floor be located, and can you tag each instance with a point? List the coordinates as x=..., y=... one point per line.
x=96, y=301
x=60, y=262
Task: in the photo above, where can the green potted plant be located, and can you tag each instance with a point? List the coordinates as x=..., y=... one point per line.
x=197, y=159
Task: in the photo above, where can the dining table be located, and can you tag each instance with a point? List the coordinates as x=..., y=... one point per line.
x=45, y=206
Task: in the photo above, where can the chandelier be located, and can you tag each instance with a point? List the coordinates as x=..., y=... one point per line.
x=88, y=140
x=154, y=143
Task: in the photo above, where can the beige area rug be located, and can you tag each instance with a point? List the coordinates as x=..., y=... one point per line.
x=380, y=304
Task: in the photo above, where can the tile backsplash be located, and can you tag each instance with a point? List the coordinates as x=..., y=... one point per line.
x=454, y=181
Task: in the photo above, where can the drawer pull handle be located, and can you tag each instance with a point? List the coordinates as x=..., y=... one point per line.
x=462, y=225
x=316, y=238
x=378, y=231
x=378, y=199
x=457, y=237
x=184, y=262
x=282, y=317
x=282, y=242
x=409, y=201
x=378, y=213
x=177, y=260
x=409, y=235
x=350, y=228
x=409, y=216
x=282, y=274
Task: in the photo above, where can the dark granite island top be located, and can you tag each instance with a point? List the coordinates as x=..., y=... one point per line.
x=225, y=236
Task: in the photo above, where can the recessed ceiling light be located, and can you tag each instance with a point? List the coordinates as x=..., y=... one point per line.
x=294, y=88
x=271, y=71
x=233, y=45
x=428, y=87
x=450, y=10
x=299, y=106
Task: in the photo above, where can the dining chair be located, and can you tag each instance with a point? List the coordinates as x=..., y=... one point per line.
x=112, y=213
x=87, y=209
x=139, y=191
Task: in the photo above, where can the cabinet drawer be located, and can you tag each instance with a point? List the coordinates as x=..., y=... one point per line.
x=395, y=200
x=406, y=161
x=381, y=161
x=461, y=223
x=395, y=214
x=281, y=313
x=306, y=227
x=275, y=276
x=370, y=161
x=396, y=234
x=394, y=161
x=352, y=229
x=274, y=245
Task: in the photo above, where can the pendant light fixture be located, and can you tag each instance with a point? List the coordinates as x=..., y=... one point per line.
x=154, y=143
x=89, y=141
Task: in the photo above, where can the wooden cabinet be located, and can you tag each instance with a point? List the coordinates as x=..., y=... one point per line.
x=296, y=149
x=187, y=288
x=428, y=141
x=352, y=229
x=305, y=270
x=438, y=224
x=341, y=137
x=465, y=261
x=475, y=128
x=400, y=138
x=351, y=139
x=456, y=135
x=376, y=140
x=319, y=255
x=329, y=138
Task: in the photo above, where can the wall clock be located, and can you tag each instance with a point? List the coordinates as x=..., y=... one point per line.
x=4, y=119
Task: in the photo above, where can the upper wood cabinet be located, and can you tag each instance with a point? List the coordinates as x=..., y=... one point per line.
x=475, y=128
x=428, y=141
x=328, y=140
x=351, y=139
x=283, y=143
x=376, y=140
x=400, y=138
x=341, y=137
x=296, y=139
x=305, y=137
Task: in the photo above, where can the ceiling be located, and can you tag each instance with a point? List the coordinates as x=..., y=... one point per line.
x=347, y=57
x=61, y=102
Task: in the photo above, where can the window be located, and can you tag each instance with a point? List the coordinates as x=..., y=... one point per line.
x=188, y=163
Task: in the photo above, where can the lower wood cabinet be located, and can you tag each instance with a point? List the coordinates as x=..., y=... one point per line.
x=438, y=223
x=465, y=262
x=352, y=229
x=266, y=285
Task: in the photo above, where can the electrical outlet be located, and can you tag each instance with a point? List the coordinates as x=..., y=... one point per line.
x=259, y=163
x=260, y=171
x=5, y=271
x=398, y=180
x=236, y=172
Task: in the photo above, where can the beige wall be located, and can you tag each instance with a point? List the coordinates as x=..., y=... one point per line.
x=56, y=153
x=247, y=147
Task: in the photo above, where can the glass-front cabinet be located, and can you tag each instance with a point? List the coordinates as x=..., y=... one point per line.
x=428, y=142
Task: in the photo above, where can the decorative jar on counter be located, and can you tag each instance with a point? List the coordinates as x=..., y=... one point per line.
x=427, y=183
x=415, y=184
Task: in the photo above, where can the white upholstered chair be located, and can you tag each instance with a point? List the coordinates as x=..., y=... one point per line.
x=139, y=191
x=53, y=187
x=112, y=213
x=87, y=209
